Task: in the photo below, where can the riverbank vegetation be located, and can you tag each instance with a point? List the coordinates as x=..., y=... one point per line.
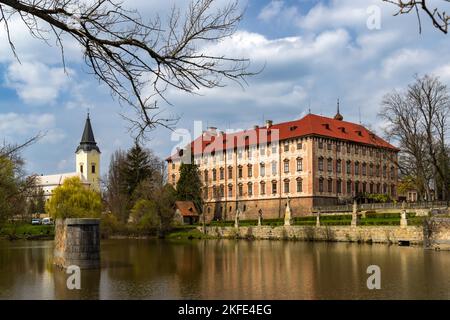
x=24, y=230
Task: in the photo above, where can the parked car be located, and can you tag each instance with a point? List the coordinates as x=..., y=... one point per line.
x=47, y=221
x=36, y=221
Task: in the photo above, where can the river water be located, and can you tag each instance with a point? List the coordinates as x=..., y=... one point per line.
x=228, y=269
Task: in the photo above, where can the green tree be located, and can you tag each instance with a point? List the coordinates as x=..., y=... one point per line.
x=166, y=206
x=137, y=167
x=73, y=200
x=189, y=185
x=145, y=214
x=8, y=188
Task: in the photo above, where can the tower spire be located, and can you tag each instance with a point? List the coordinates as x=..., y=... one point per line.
x=87, y=142
x=338, y=115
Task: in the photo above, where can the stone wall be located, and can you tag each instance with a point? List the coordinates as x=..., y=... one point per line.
x=376, y=234
x=77, y=242
x=437, y=233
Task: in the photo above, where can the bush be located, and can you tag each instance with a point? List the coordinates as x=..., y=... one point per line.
x=73, y=200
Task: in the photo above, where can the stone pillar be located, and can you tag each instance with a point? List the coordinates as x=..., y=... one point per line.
x=355, y=218
x=318, y=219
x=236, y=218
x=403, y=219
x=77, y=242
x=259, y=218
x=287, y=213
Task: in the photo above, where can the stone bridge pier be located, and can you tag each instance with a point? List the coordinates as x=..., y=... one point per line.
x=77, y=242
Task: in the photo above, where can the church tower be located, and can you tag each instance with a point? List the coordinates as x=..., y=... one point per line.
x=88, y=157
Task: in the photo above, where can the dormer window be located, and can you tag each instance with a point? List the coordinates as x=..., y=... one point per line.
x=342, y=129
x=359, y=133
x=326, y=125
x=293, y=128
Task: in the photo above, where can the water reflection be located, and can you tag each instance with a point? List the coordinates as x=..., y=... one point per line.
x=224, y=269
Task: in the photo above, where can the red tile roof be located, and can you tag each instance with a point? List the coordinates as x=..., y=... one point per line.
x=310, y=125
x=187, y=208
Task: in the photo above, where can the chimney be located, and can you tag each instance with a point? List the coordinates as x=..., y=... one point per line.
x=212, y=131
x=255, y=127
x=269, y=123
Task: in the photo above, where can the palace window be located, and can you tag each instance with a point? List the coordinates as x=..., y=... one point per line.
x=371, y=187
x=356, y=149
x=262, y=150
x=320, y=144
x=262, y=169
x=320, y=184
x=250, y=189
x=286, y=166
x=214, y=175
x=299, y=164
x=274, y=167
x=262, y=187
x=299, y=185
x=384, y=171
x=349, y=186
x=299, y=145
x=338, y=148
x=240, y=172
x=339, y=166
x=230, y=172
x=392, y=172
x=371, y=169
x=339, y=186
x=348, y=148
x=330, y=185
x=364, y=169
x=240, y=189
x=356, y=168
x=356, y=186
x=230, y=190
x=222, y=173
x=286, y=186
x=249, y=170
x=274, y=187
x=320, y=164
x=286, y=147
x=222, y=191
x=93, y=168
x=378, y=170
x=330, y=165
x=349, y=169
x=329, y=145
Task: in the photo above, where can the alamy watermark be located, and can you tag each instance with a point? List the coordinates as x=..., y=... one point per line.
x=374, y=280
x=74, y=280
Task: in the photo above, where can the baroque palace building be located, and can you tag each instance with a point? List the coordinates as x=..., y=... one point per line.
x=314, y=161
x=87, y=165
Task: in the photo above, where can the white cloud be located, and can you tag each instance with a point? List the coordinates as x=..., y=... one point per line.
x=37, y=83
x=23, y=124
x=271, y=10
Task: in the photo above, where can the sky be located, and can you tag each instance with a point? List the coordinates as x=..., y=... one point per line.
x=311, y=52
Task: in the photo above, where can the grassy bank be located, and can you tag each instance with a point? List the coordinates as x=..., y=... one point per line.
x=16, y=231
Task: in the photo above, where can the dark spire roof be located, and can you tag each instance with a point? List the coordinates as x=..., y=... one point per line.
x=338, y=116
x=87, y=142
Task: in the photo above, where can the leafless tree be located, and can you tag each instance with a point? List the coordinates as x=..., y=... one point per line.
x=418, y=119
x=439, y=18
x=138, y=60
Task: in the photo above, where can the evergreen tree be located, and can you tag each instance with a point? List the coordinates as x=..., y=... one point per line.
x=137, y=167
x=189, y=185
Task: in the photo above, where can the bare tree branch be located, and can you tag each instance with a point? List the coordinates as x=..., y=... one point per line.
x=438, y=16
x=138, y=60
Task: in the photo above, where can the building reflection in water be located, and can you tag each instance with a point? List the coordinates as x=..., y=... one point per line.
x=227, y=269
